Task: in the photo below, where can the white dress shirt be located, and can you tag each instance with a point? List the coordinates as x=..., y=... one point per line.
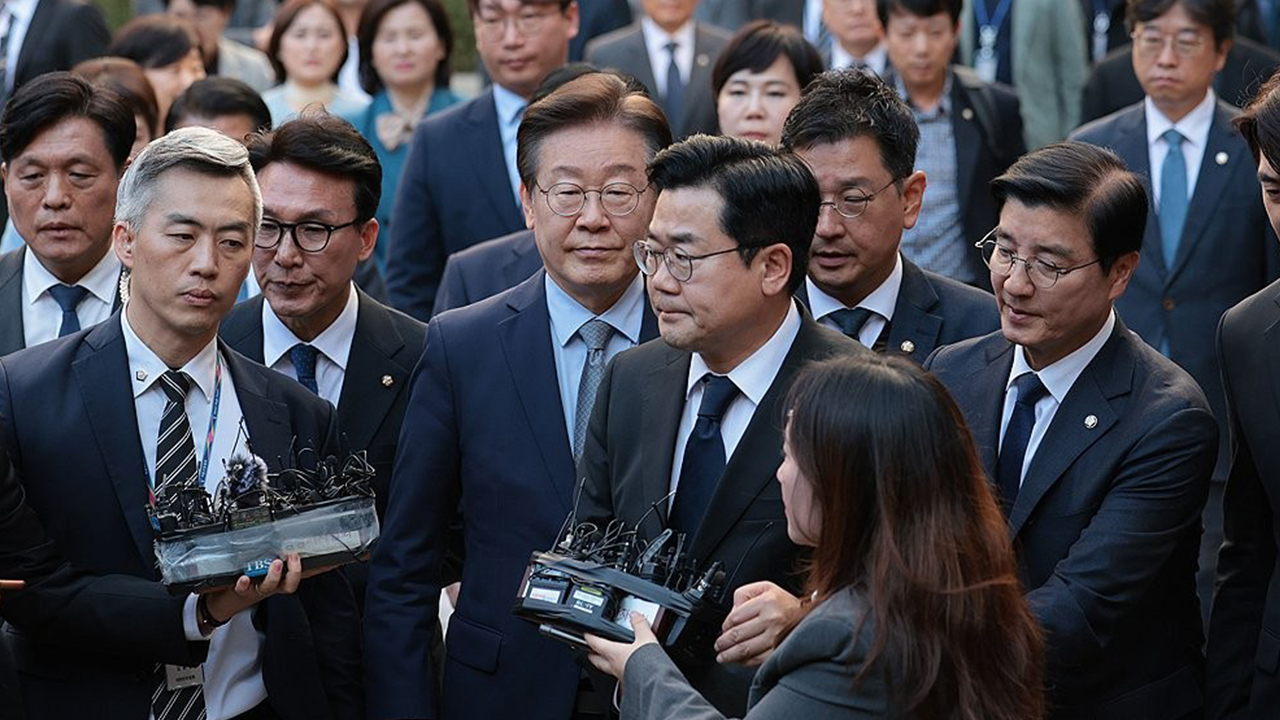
x=753, y=377
x=1194, y=128
x=334, y=344
x=882, y=302
x=570, y=351
x=41, y=314
x=1057, y=379
x=233, y=669
x=510, y=108
x=22, y=12
x=876, y=60
x=349, y=73
x=655, y=43
x=813, y=21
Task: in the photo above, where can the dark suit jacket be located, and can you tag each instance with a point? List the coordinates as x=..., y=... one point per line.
x=487, y=269
x=484, y=428
x=595, y=18
x=11, y=329
x=1228, y=250
x=61, y=34
x=386, y=344
x=1107, y=523
x=74, y=393
x=733, y=14
x=1113, y=86
x=625, y=50
x=1244, y=627
x=932, y=311
x=454, y=193
x=627, y=462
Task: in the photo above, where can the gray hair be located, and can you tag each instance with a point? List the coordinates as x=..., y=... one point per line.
x=193, y=148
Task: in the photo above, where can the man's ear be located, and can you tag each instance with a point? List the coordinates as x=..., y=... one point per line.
x=775, y=264
x=122, y=243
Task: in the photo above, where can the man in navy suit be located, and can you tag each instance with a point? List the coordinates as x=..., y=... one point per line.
x=1100, y=447
x=460, y=184
x=859, y=139
x=1208, y=244
x=486, y=269
x=497, y=417
x=90, y=418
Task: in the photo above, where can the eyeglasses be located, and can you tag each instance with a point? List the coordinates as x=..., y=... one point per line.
x=1149, y=43
x=617, y=199
x=679, y=263
x=494, y=26
x=1041, y=273
x=852, y=205
x=310, y=236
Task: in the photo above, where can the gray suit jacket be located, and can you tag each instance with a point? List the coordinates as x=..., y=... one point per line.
x=245, y=64
x=625, y=50
x=809, y=676
x=733, y=14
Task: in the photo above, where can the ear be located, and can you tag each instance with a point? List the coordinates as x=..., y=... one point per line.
x=526, y=204
x=1121, y=273
x=1222, y=51
x=774, y=262
x=368, y=238
x=122, y=242
x=571, y=14
x=912, y=198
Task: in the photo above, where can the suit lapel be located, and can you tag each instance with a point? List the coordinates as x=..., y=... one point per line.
x=1210, y=184
x=1131, y=146
x=662, y=404
x=243, y=329
x=912, y=320
x=699, y=80
x=638, y=58
x=366, y=397
x=487, y=157
x=11, y=330
x=984, y=391
x=513, y=266
x=968, y=139
x=266, y=418
x=1272, y=335
x=36, y=31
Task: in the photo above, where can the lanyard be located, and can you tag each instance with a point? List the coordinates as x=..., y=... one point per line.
x=1002, y=12
x=213, y=425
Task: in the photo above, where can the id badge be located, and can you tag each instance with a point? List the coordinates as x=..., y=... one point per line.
x=177, y=677
x=1101, y=26
x=984, y=64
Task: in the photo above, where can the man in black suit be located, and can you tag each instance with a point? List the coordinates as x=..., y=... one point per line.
x=672, y=55
x=460, y=185
x=486, y=269
x=859, y=139
x=91, y=418
x=50, y=35
x=970, y=132
x=690, y=425
x=1244, y=627
x=596, y=18
x=64, y=144
x=1101, y=448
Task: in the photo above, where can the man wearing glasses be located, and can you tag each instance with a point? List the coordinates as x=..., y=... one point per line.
x=1208, y=244
x=1100, y=448
x=859, y=139
x=497, y=418
x=691, y=425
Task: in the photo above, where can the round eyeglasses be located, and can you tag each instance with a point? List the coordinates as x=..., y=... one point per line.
x=567, y=199
x=1002, y=260
x=309, y=235
x=679, y=263
x=852, y=203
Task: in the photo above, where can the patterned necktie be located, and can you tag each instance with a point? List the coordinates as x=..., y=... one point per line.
x=1173, y=196
x=595, y=333
x=851, y=320
x=1016, y=437
x=303, y=357
x=674, y=101
x=68, y=298
x=704, y=457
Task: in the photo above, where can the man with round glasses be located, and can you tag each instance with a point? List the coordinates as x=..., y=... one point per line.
x=498, y=415
x=1101, y=449
x=859, y=138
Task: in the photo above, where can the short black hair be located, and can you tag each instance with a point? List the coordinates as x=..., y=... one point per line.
x=127, y=79
x=371, y=22
x=49, y=99
x=326, y=144
x=1218, y=15
x=214, y=97
x=1083, y=180
x=920, y=8
x=1259, y=123
x=285, y=15
x=845, y=104
x=758, y=44
x=769, y=196
x=154, y=41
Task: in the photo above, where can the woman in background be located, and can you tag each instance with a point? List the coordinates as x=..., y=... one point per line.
x=405, y=47
x=913, y=607
x=128, y=80
x=168, y=51
x=307, y=49
x=758, y=79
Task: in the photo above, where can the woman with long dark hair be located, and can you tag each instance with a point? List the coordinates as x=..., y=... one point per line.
x=913, y=605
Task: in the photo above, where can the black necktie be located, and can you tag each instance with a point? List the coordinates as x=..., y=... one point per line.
x=303, y=357
x=1016, y=436
x=704, y=457
x=851, y=320
x=68, y=298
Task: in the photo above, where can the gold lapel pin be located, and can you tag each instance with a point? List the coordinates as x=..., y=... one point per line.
x=703, y=60
x=967, y=114
x=907, y=347
x=388, y=381
x=1091, y=421
x=1220, y=158
x=141, y=375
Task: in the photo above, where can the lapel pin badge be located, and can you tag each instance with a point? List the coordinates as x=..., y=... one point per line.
x=141, y=375
x=967, y=113
x=1091, y=421
x=1220, y=158
x=703, y=60
x=388, y=381
x=907, y=347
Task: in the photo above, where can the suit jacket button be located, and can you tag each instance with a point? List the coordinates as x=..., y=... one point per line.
x=1168, y=303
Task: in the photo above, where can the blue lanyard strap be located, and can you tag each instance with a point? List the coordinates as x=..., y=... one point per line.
x=1002, y=13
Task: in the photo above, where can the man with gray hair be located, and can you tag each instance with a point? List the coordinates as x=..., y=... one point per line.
x=97, y=415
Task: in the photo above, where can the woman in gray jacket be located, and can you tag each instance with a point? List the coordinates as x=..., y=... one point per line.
x=914, y=609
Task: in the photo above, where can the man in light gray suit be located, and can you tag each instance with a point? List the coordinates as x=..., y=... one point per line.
x=223, y=57
x=672, y=55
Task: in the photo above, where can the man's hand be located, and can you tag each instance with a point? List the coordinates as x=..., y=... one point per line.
x=761, y=611
x=281, y=579
x=611, y=657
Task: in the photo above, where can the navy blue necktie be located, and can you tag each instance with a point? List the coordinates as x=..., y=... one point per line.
x=68, y=298
x=1016, y=437
x=303, y=357
x=851, y=320
x=704, y=457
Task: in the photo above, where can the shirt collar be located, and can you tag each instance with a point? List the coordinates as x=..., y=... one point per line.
x=1194, y=126
x=21, y=8
x=102, y=281
x=874, y=60
x=145, y=367
x=883, y=300
x=510, y=106
x=656, y=39
x=334, y=341
x=1058, y=377
x=944, y=102
x=754, y=375
x=568, y=315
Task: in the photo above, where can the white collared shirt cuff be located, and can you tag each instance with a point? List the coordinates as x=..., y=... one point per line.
x=191, y=624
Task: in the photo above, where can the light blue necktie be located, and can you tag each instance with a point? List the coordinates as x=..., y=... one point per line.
x=1173, y=197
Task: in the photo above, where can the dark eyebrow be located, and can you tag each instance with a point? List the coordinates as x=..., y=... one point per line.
x=1268, y=178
